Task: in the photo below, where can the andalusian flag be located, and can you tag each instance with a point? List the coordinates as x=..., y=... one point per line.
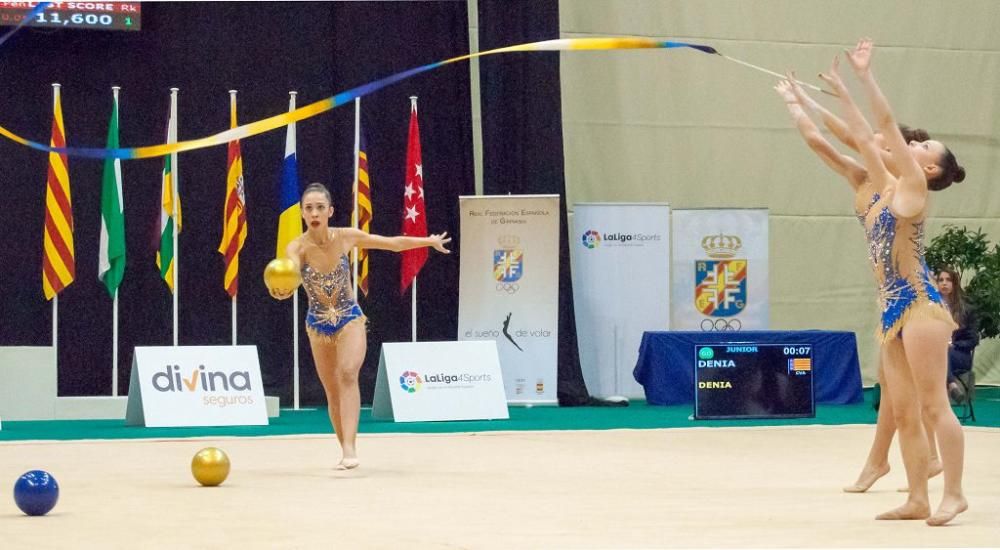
x=111, y=266
x=364, y=212
x=58, y=258
x=290, y=220
x=234, y=217
x=170, y=203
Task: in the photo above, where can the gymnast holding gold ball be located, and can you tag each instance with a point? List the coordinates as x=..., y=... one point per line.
x=334, y=322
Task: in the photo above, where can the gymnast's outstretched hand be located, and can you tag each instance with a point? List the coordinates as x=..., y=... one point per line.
x=832, y=77
x=861, y=57
x=438, y=240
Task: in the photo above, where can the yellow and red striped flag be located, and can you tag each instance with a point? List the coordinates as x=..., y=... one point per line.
x=364, y=200
x=58, y=261
x=800, y=364
x=234, y=220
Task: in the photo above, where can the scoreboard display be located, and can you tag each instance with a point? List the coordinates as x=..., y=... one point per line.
x=749, y=380
x=109, y=16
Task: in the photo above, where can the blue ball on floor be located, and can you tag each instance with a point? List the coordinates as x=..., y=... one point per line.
x=36, y=492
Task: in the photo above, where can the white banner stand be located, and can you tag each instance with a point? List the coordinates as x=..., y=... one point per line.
x=429, y=381
x=620, y=256
x=196, y=386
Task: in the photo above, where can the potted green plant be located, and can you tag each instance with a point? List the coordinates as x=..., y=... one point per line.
x=971, y=254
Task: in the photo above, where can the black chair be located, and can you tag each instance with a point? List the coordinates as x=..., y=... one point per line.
x=962, y=400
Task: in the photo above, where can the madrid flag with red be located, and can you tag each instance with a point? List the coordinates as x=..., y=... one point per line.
x=414, y=212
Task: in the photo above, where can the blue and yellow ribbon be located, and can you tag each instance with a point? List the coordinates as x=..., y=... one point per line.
x=324, y=105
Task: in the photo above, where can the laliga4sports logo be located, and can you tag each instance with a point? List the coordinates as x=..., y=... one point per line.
x=593, y=238
x=410, y=381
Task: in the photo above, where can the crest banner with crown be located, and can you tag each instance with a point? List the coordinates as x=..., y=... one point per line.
x=719, y=261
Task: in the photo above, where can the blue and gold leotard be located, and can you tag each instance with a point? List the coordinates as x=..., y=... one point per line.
x=896, y=250
x=331, y=299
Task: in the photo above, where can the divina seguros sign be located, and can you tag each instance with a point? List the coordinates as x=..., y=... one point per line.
x=196, y=386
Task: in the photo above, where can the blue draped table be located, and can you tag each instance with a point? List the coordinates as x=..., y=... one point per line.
x=666, y=362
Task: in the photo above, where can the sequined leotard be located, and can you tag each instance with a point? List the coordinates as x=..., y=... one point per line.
x=896, y=250
x=331, y=299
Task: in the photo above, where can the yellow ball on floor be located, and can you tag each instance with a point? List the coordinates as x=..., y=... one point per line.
x=210, y=466
x=281, y=275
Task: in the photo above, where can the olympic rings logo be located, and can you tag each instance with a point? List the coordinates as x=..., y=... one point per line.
x=721, y=325
x=509, y=288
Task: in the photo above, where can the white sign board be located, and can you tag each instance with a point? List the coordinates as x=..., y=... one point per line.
x=421, y=381
x=196, y=386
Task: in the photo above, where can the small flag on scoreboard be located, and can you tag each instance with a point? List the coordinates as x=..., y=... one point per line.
x=799, y=364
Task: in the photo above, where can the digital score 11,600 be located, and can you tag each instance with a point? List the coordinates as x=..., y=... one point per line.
x=109, y=16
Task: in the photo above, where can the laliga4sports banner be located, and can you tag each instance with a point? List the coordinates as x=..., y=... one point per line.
x=720, y=269
x=509, y=287
x=621, y=288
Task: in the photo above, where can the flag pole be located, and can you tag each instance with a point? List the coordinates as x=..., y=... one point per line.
x=114, y=348
x=114, y=307
x=232, y=107
x=413, y=297
x=295, y=310
x=55, y=333
x=413, y=311
x=55, y=299
x=355, y=217
x=295, y=349
x=175, y=210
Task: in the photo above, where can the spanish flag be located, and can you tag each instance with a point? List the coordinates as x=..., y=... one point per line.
x=234, y=216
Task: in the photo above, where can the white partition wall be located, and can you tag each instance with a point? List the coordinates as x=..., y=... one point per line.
x=28, y=383
x=620, y=256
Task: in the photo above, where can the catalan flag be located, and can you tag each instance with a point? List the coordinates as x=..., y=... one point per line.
x=799, y=364
x=58, y=257
x=364, y=212
x=290, y=219
x=170, y=202
x=234, y=216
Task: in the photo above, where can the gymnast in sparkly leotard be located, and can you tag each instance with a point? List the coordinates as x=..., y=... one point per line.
x=915, y=327
x=896, y=251
x=331, y=300
x=802, y=107
x=334, y=322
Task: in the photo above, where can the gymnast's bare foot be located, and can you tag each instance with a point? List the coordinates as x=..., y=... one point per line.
x=869, y=475
x=349, y=461
x=949, y=508
x=910, y=510
x=348, y=464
